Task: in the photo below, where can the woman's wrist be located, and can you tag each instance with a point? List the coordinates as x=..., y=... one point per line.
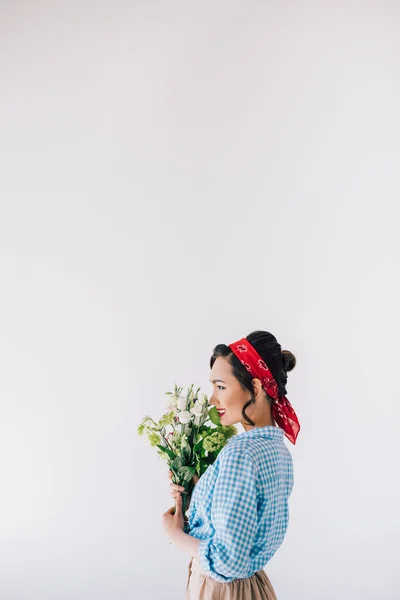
x=186, y=542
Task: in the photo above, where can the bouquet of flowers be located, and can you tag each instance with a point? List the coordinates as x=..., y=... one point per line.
x=189, y=436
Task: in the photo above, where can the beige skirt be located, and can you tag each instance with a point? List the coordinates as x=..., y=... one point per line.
x=201, y=586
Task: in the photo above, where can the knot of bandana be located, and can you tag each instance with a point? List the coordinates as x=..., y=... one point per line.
x=282, y=410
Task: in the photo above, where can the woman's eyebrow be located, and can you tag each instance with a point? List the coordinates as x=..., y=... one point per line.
x=215, y=381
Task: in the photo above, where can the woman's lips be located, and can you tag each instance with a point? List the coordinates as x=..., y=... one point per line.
x=221, y=412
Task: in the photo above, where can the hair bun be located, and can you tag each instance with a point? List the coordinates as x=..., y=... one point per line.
x=289, y=360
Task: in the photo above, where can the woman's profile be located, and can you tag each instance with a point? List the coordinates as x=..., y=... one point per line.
x=239, y=509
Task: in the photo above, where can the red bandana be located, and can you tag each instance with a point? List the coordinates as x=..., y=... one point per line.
x=282, y=411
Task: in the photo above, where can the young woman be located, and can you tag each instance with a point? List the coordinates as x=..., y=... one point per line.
x=239, y=508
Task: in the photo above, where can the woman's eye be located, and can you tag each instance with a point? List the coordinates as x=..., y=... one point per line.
x=220, y=387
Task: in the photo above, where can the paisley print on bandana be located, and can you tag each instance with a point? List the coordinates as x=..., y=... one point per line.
x=282, y=411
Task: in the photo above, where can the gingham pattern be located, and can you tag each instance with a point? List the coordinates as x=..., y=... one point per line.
x=239, y=508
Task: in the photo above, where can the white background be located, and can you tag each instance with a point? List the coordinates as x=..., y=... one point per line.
x=175, y=175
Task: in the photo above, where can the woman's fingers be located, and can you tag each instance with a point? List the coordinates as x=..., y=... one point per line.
x=177, y=488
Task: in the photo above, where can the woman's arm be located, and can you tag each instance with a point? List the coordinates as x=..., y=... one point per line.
x=174, y=523
x=186, y=542
x=180, y=538
x=225, y=555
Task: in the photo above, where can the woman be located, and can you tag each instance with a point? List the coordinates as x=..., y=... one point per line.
x=239, y=508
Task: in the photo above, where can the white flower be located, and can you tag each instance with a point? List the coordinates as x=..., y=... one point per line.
x=172, y=405
x=185, y=417
x=197, y=420
x=203, y=399
x=182, y=402
x=197, y=409
x=192, y=396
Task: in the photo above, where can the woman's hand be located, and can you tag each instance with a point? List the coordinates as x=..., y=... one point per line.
x=173, y=524
x=179, y=489
x=172, y=520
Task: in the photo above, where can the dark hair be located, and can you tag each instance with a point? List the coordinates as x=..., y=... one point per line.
x=279, y=361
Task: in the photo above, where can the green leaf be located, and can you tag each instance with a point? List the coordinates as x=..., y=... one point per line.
x=186, y=474
x=197, y=447
x=177, y=463
x=171, y=454
x=206, y=430
x=214, y=416
x=186, y=452
x=203, y=468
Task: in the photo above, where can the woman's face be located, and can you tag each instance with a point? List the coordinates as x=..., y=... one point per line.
x=228, y=395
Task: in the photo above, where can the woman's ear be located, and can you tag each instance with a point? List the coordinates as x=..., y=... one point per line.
x=257, y=387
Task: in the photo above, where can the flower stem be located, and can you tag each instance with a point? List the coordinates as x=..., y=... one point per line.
x=184, y=501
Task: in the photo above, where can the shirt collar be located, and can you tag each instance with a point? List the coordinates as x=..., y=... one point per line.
x=270, y=431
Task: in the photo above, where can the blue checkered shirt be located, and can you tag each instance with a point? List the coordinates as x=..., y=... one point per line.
x=239, y=508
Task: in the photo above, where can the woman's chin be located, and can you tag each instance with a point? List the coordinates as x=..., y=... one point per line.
x=224, y=420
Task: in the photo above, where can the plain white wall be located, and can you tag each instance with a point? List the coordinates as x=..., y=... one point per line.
x=175, y=175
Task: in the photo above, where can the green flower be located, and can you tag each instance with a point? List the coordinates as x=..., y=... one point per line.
x=167, y=419
x=140, y=429
x=154, y=439
x=175, y=441
x=229, y=431
x=214, y=442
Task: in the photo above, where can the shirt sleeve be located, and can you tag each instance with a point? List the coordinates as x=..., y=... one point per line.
x=226, y=554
